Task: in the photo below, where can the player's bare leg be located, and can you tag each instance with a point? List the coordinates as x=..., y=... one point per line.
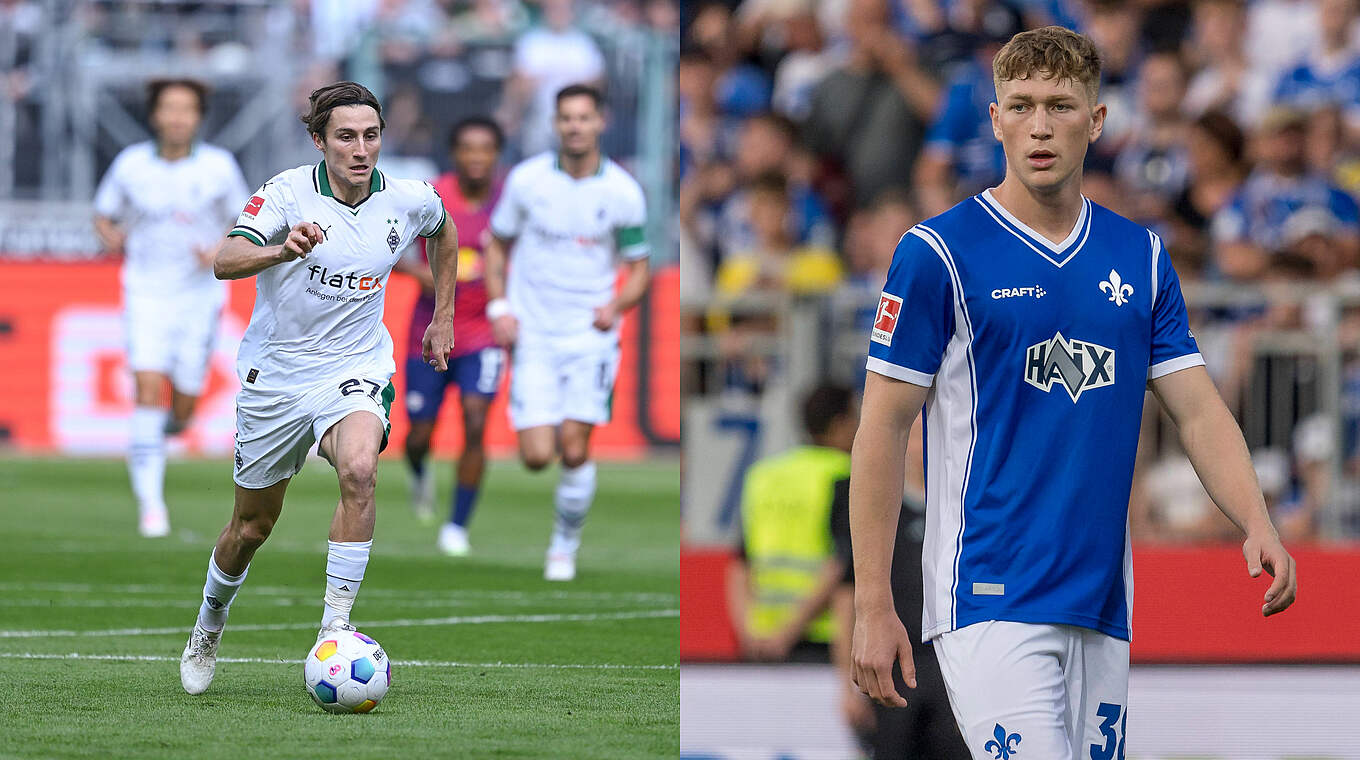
x=352, y=446
x=146, y=453
x=538, y=446
x=252, y=519
x=575, y=492
x=422, y=485
x=453, y=539
x=181, y=409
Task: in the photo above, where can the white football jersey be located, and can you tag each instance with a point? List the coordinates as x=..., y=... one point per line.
x=167, y=209
x=566, y=233
x=321, y=315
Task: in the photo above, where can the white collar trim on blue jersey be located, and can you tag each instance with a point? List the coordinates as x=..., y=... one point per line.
x=1073, y=243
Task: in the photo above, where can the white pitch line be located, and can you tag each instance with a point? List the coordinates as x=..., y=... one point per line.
x=293, y=601
x=374, y=624
x=402, y=663
x=91, y=588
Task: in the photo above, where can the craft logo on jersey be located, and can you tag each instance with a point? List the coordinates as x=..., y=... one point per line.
x=253, y=206
x=1077, y=365
x=885, y=321
x=1037, y=292
x=1119, y=291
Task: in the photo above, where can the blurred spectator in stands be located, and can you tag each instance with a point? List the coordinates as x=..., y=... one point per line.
x=20, y=24
x=772, y=259
x=961, y=156
x=1215, y=159
x=1154, y=165
x=488, y=21
x=548, y=57
x=1225, y=78
x=742, y=88
x=780, y=587
x=1279, y=33
x=408, y=138
x=1113, y=25
x=869, y=115
x=806, y=63
x=948, y=36
x=405, y=28
x=1314, y=444
x=1279, y=201
x=1329, y=73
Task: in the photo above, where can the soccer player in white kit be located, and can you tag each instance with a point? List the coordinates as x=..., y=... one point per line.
x=316, y=361
x=165, y=204
x=1029, y=322
x=566, y=215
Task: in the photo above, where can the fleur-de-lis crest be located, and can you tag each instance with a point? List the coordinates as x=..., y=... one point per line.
x=1004, y=745
x=1118, y=289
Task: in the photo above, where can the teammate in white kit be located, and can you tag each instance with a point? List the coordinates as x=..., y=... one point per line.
x=567, y=216
x=165, y=204
x=1029, y=321
x=316, y=361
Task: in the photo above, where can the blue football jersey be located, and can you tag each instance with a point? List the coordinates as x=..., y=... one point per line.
x=1037, y=356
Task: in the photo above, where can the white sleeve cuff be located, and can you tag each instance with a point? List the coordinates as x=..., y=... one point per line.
x=896, y=372
x=1162, y=369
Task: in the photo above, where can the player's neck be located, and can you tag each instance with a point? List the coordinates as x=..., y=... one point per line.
x=581, y=166
x=475, y=193
x=1052, y=214
x=172, y=151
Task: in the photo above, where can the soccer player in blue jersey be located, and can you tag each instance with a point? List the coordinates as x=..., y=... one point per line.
x=1028, y=321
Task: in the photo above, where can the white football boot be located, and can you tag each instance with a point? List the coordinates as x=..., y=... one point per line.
x=453, y=540
x=337, y=626
x=560, y=566
x=199, y=662
x=422, y=496
x=154, y=523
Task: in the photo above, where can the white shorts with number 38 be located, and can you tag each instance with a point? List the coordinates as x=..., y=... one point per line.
x=1023, y=691
x=556, y=379
x=274, y=431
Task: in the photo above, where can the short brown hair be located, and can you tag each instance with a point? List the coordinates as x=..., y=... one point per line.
x=332, y=96
x=155, y=87
x=1052, y=52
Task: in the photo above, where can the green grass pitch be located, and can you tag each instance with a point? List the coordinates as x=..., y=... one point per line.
x=489, y=660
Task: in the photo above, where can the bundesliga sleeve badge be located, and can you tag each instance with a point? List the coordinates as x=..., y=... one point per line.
x=253, y=206
x=885, y=321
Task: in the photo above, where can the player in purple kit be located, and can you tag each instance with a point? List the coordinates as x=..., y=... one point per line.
x=470, y=192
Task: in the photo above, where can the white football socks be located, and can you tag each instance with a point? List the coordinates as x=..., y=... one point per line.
x=146, y=458
x=218, y=592
x=575, y=492
x=345, y=563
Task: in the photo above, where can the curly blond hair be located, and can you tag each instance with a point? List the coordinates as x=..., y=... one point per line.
x=1051, y=52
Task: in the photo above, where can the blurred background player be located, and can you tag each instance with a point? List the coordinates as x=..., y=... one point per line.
x=165, y=203
x=316, y=362
x=469, y=193
x=564, y=216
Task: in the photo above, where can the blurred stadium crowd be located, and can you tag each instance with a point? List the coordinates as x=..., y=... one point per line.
x=814, y=133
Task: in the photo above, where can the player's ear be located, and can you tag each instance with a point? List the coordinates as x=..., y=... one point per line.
x=994, y=111
x=1097, y=121
x=319, y=142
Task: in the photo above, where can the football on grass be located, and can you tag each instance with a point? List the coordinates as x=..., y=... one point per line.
x=347, y=673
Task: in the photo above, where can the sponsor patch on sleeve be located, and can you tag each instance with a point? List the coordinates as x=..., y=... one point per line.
x=885, y=321
x=253, y=206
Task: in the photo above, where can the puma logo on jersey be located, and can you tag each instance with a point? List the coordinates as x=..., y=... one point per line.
x=1077, y=365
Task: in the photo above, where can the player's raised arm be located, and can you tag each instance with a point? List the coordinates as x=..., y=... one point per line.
x=877, y=470
x=442, y=251
x=241, y=256
x=1214, y=443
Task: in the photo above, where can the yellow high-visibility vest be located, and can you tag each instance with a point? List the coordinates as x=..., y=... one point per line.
x=786, y=515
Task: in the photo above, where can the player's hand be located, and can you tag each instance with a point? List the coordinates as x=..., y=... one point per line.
x=438, y=343
x=1264, y=551
x=506, y=329
x=880, y=640
x=606, y=317
x=301, y=240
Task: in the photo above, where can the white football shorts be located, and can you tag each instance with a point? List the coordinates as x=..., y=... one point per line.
x=173, y=335
x=274, y=431
x=554, y=379
x=1023, y=690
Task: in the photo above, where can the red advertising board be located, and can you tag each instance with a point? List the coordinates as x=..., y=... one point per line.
x=65, y=387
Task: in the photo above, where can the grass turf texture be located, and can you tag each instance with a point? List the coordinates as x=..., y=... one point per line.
x=474, y=641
